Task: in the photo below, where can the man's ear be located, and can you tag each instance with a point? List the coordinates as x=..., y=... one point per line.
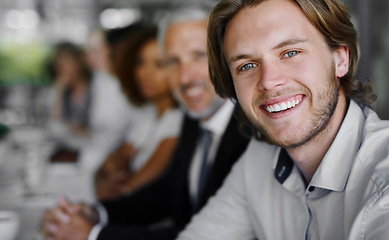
x=341, y=56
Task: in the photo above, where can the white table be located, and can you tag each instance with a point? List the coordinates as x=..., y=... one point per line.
x=69, y=179
x=62, y=179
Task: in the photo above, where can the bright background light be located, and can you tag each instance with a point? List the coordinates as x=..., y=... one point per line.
x=22, y=19
x=115, y=18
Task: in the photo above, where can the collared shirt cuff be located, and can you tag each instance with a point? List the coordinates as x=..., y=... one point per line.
x=94, y=233
x=103, y=220
x=103, y=215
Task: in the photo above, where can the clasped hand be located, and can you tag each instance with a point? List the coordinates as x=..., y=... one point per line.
x=68, y=221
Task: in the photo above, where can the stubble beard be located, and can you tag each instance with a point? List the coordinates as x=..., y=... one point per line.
x=327, y=103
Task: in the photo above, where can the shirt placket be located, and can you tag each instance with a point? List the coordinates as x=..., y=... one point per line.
x=311, y=228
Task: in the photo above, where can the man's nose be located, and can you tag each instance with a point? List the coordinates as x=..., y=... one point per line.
x=272, y=75
x=185, y=73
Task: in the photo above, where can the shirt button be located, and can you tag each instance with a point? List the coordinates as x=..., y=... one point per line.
x=311, y=188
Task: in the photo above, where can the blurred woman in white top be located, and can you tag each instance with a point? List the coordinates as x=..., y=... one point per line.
x=110, y=112
x=144, y=79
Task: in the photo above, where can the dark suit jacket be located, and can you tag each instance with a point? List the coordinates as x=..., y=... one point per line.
x=168, y=196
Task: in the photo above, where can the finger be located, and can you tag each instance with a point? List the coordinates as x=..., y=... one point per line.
x=47, y=219
x=63, y=202
x=77, y=208
x=86, y=210
x=50, y=236
x=52, y=229
x=60, y=215
x=47, y=216
x=122, y=175
x=68, y=207
x=48, y=228
x=118, y=178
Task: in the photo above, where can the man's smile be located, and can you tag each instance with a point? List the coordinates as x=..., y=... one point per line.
x=194, y=91
x=282, y=105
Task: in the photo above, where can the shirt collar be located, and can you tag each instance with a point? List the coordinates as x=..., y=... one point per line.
x=219, y=120
x=336, y=165
x=284, y=166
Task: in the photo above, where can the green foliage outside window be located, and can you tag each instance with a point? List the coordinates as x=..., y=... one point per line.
x=23, y=63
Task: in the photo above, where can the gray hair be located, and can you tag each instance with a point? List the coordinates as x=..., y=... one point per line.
x=192, y=11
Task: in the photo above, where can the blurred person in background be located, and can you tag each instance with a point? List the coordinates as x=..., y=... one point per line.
x=142, y=72
x=110, y=111
x=70, y=125
x=210, y=143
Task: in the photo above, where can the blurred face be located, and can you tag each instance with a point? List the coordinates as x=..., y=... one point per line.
x=67, y=67
x=285, y=75
x=151, y=72
x=97, y=52
x=185, y=48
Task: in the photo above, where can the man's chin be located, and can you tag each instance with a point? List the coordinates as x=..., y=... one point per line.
x=205, y=113
x=198, y=114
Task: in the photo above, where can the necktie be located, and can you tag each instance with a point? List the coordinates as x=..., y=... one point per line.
x=206, y=139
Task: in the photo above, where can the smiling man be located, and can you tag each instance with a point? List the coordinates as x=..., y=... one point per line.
x=187, y=63
x=290, y=65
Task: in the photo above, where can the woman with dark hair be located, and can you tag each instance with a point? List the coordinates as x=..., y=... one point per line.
x=142, y=73
x=71, y=120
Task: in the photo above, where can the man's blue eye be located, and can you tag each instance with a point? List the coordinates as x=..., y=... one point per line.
x=248, y=66
x=291, y=54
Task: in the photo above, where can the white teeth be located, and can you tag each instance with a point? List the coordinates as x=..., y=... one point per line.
x=282, y=106
x=289, y=105
x=194, y=91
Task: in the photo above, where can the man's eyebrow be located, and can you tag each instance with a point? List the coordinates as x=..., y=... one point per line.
x=278, y=46
x=238, y=57
x=290, y=42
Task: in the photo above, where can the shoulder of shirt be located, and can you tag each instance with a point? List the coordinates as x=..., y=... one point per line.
x=175, y=113
x=260, y=152
x=173, y=117
x=106, y=80
x=373, y=153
